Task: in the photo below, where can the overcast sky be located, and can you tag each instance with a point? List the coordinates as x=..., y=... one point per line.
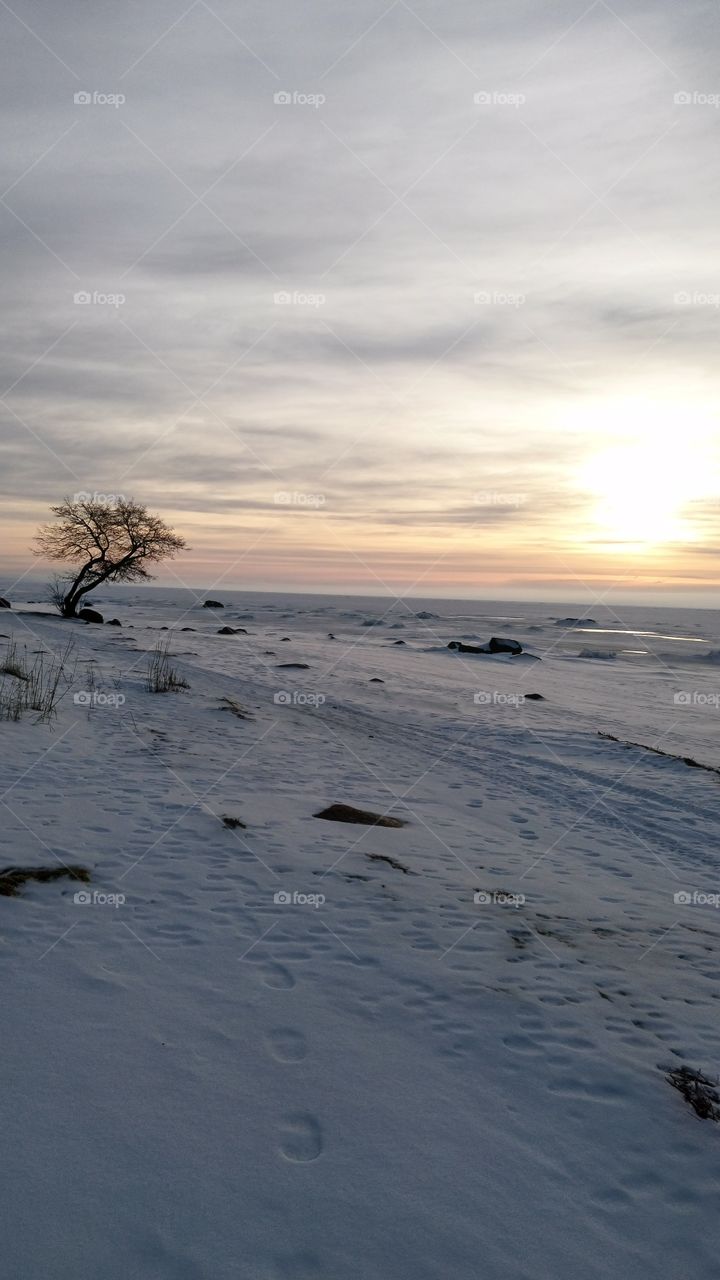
x=414, y=296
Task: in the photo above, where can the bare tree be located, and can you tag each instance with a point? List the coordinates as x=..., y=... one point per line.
x=103, y=541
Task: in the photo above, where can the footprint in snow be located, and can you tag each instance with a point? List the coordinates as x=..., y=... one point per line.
x=285, y=1044
x=301, y=1138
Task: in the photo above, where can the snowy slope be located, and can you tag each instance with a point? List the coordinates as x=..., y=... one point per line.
x=384, y=1077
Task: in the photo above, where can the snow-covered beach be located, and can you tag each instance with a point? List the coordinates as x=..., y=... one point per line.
x=297, y=1048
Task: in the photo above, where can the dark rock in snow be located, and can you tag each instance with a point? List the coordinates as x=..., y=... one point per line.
x=535, y=697
x=213, y=604
x=4, y=604
x=90, y=615
x=364, y=817
x=376, y=680
x=114, y=622
x=398, y=642
x=296, y=666
x=497, y=645
x=494, y=645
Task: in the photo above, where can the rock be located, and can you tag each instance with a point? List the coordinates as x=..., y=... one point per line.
x=4, y=604
x=90, y=615
x=269, y=653
x=294, y=666
x=497, y=645
x=494, y=645
x=114, y=622
x=364, y=817
x=376, y=680
x=535, y=697
x=285, y=640
x=398, y=642
x=575, y=622
x=330, y=635
x=187, y=628
x=213, y=604
x=226, y=631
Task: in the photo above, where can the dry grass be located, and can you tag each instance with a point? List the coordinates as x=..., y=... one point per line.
x=697, y=1090
x=231, y=705
x=36, y=685
x=162, y=676
x=13, y=878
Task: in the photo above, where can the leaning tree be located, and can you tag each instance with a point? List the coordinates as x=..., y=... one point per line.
x=103, y=541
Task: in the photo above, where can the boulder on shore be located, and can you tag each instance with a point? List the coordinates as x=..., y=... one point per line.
x=90, y=615
x=213, y=604
x=494, y=645
x=364, y=817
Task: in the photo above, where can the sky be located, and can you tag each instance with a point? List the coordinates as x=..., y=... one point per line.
x=401, y=298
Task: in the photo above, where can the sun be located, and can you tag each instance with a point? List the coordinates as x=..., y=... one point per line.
x=656, y=462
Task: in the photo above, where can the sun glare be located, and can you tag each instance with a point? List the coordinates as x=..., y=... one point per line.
x=656, y=462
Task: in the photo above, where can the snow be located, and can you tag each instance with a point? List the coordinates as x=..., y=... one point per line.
x=383, y=1076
